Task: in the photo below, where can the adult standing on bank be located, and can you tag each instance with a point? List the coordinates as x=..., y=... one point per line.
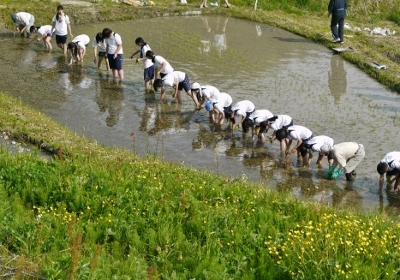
x=23, y=22
x=61, y=26
x=337, y=9
x=390, y=165
x=347, y=156
x=114, y=52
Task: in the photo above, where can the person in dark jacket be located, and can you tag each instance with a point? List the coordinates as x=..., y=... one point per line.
x=337, y=8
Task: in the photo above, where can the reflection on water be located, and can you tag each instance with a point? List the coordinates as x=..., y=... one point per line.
x=337, y=77
x=276, y=70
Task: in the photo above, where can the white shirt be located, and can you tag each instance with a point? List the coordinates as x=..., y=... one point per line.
x=393, y=160
x=158, y=64
x=243, y=107
x=100, y=45
x=174, y=77
x=223, y=100
x=24, y=18
x=318, y=141
x=147, y=62
x=61, y=25
x=44, y=30
x=297, y=132
x=209, y=92
x=113, y=42
x=280, y=122
x=82, y=41
x=260, y=115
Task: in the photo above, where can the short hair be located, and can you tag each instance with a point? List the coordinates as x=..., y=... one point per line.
x=281, y=134
x=382, y=168
x=60, y=7
x=247, y=123
x=99, y=37
x=106, y=33
x=157, y=84
x=150, y=54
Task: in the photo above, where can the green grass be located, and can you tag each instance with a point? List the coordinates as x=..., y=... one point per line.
x=98, y=213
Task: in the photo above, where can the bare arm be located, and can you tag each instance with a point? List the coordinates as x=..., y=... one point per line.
x=135, y=53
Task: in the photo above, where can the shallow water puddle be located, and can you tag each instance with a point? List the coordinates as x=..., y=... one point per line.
x=276, y=70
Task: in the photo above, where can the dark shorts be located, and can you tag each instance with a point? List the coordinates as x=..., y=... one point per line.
x=304, y=147
x=61, y=39
x=102, y=54
x=115, y=63
x=185, y=84
x=148, y=73
x=290, y=124
x=394, y=172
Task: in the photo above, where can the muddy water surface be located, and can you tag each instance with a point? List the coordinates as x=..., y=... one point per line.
x=277, y=70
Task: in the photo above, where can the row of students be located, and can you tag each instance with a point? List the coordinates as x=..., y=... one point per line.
x=343, y=157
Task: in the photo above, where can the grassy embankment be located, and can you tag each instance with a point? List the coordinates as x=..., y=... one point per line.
x=96, y=213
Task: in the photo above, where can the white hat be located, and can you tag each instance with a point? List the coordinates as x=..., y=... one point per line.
x=196, y=86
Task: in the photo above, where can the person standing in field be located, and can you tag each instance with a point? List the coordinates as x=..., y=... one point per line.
x=148, y=73
x=337, y=11
x=78, y=47
x=347, y=156
x=390, y=165
x=23, y=22
x=114, y=52
x=61, y=26
x=99, y=51
x=43, y=33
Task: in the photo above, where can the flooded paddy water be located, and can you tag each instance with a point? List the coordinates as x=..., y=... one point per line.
x=275, y=69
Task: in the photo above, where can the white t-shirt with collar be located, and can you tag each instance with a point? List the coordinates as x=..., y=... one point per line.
x=61, y=27
x=100, y=45
x=280, y=122
x=393, y=160
x=318, y=141
x=158, y=64
x=223, y=100
x=210, y=92
x=243, y=107
x=113, y=42
x=82, y=41
x=260, y=115
x=174, y=77
x=297, y=132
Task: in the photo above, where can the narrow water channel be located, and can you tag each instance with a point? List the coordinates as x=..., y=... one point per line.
x=275, y=69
